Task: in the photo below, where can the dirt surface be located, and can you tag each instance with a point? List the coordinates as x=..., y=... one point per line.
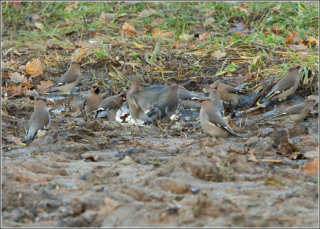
x=86, y=172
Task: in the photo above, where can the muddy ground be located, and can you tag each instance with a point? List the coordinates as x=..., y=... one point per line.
x=86, y=172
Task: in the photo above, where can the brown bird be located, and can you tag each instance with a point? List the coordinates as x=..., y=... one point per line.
x=109, y=107
x=227, y=93
x=139, y=100
x=93, y=99
x=68, y=81
x=166, y=109
x=217, y=103
x=211, y=122
x=296, y=113
x=40, y=119
x=285, y=87
x=185, y=98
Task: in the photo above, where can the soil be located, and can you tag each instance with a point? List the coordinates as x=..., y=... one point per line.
x=90, y=173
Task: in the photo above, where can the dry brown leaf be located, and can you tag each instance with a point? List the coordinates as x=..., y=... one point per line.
x=15, y=90
x=142, y=32
x=177, y=45
x=185, y=36
x=239, y=27
x=192, y=46
x=311, y=30
x=293, y=37
x=129, y=29
x=13, y=64
x=5, y=75
x=36, y=17
x=204, y=36
x=311, y=39
x=71, y=6
x=218, y=54
x=157, y=21
x=208, y=13
x=298, y=47
x=209, y=21
x=35, y=67
x=17, y=77
x=242, y=8
x=312, y=167
x=277, y=30
x=42, y=88
x=163, y=33
x=290, y=150
x=266, y=32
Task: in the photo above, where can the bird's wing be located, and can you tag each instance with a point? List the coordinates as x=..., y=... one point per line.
x=233, y=90
x=282, y=86
x=150, y=96
x=215, y=119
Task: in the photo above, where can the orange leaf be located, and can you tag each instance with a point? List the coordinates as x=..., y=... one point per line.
x=42, y=88
x=312, y=167
x=35, y=67
x=27, y=84
x=266, y=32
x=176, y=45
x=163, y=33
x=129, y=29
x=277, y=30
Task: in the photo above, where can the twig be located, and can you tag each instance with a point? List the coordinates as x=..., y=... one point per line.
x=53, y=108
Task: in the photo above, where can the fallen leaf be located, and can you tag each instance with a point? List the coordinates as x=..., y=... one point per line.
x=272, y=181
x=35, y=67
x=157, y=21
x=39, y=25
x=13, y=64
x=185, y=36
x=17, y=77
x=42, y=88
x=277, y=30
x=209, y=21
x=177, y=45
x=311, y=39
x=192, y=46
x=218, y=54
x=240, y=27
x=290, y=150
x=292, y=37
x=129, y=29
x=142, y=32
x=266, y=32
x=208, y=13
x=296, y=48
x=242, y=8
x=204, y=36
x=311, y=30
x=138, y=45
x=5, y=75
x=71, y=6
x=14, y=90
x=163, y=33
x=311, y=168
x=27, y=84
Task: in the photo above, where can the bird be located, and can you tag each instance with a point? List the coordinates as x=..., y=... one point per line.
x=227, y=93
x=186, y=98
x=139, y=100
x=39, y=120
x=68, y=81
x=93, y=99
x=285, y=87
x=217, y=103
x=166, y=109
x=109, y=107
x=211, y=122
x=295, y=113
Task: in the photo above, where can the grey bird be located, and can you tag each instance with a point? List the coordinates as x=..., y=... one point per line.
x=227, y=93
x=39, y=120
x=93, y=99
x=68, y=81
x=295, y=113
x=109, y=107
x=285, y=87
x=211, y=122
x=186, y=98
x=217, y=103
x=167, y=108
x=139, y=100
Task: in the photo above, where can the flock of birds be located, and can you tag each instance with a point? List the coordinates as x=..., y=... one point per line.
x=164, y=101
